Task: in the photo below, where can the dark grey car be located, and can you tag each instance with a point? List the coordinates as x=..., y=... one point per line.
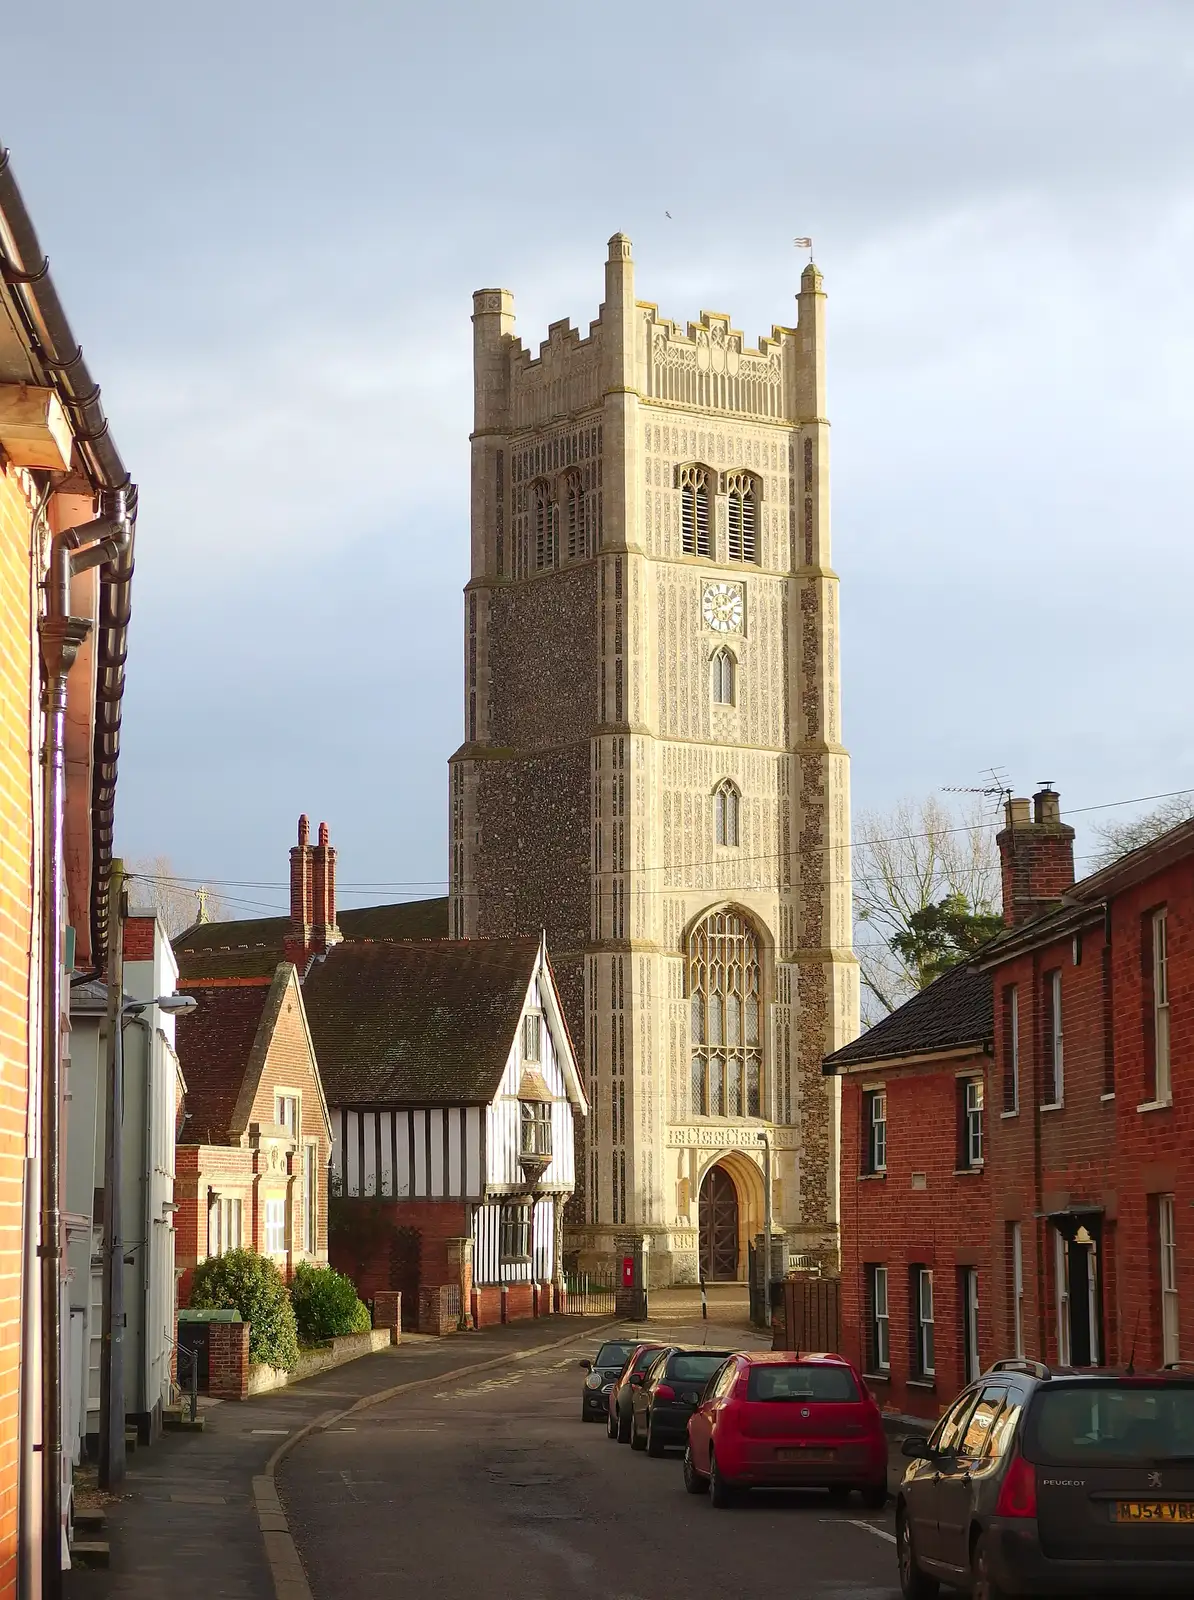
x=602, y=1373
x=1053, y=1483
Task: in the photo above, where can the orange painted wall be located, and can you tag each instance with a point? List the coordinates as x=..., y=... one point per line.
x=17, y=690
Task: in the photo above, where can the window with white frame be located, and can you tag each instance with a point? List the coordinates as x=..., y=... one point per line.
x=880, y=1352
x=275, y=1227
x=310, y=1197
x=1011, y=1049
x=233, y=1212
x=532, y=1036
x=1061, y=1271
x=286, y=1111
x=1016, y=1251
x=721, y=677
x=874, y=1122
x=1166, y=1232
x=741, y=517
x=694, y=510
x=215, y=1224
x=515, y=1230
x=726, y=802
x=971, y=1093
x=535, y=1129
x=1054, y=1076
x=924, y=1352
x=1162, y=1087
x=968, y=1295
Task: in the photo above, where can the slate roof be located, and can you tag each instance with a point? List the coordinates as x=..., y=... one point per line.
x=417, y=1023
x=214, y=1043
x=956, y=1010
x=406, y=919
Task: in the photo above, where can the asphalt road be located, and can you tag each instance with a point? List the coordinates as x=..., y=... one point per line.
x=493, y=1487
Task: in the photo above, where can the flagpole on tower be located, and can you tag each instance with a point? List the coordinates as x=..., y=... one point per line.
x=804, y=244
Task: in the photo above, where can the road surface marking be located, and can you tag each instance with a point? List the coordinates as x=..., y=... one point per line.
x=880, y=1533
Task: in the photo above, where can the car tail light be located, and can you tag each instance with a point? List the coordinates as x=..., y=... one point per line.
x=665, y=1392
x=1017, y=1494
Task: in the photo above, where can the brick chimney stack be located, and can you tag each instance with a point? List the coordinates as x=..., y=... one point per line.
x=312, y=897
x=1036, y=852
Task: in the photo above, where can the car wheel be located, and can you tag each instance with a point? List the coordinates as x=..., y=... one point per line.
x=913, y=1583
x=654, y=1444
x=623, y=1427
x=611, y=1427
x=982, y=1584
x=721, y=1493
x=874, y=1498
x=695, y=1482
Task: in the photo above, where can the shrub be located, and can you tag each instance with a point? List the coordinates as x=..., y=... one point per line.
x=251, y=1284
x=326, y=1305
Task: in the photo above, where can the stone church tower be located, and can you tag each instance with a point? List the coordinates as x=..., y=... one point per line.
x=652, y=767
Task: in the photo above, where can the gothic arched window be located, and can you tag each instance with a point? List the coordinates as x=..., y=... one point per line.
x=547, y=528
x=577, y=542
x=726, y=803
x=694, y=511
x=722, y=673
x=742, y=517
x=726, y=1007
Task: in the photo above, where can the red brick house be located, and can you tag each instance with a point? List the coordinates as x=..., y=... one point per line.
x=1069, y=1244
x=252, y=1158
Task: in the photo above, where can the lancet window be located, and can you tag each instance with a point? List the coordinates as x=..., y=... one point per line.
x=694, y=511
x=726, y=1008
x=726, y=805
x=722, y=675
x=742, y=517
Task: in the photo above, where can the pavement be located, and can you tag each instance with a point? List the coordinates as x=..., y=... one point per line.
x=493, y=1486
x=187, y=1525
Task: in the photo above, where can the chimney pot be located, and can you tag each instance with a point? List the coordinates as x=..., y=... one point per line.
x=304, y=829
x=1036, y=852
x=1046, y=806
x=323, y=835
x=1018, y=813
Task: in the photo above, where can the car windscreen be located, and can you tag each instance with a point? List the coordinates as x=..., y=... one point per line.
x=832, y=1384
x=1129, y=1421
x=612, y=1355
x=695, y=1367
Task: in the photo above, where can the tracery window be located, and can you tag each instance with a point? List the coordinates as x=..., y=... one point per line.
x=742, y=517
x=547, y=528
x=726, y=805
x=694, y=511
x=722, y=673
x=577, y=542
x=725, y=999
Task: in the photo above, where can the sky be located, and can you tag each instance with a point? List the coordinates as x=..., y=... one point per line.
x=266, y=221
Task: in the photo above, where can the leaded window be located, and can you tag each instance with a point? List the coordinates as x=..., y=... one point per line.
x=721, y=677
x=726, y=805
x=694, y=511
x=725, y=999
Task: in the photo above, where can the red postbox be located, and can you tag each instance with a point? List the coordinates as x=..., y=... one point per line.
x=628, y=1272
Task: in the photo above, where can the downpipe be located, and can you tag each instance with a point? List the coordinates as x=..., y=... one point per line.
x=96, y=543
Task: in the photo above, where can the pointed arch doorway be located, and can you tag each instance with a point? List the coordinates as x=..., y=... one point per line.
x=717, y=1212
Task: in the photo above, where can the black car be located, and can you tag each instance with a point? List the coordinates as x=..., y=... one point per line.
x=617, y=1423
x=670, y=1392
x=1053, y=1483
x=602, y=1374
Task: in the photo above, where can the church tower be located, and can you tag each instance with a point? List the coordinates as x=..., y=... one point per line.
x=652, y=767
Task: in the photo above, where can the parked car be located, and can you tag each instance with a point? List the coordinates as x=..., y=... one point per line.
x=670, y=1392
x=617, y=1422
x=602, y=1373
x=775, y=1419
x=1053, y=1483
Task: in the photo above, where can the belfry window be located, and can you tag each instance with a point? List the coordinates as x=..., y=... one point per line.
x=722, y=672
x=547, y=528
x=694, y=511
x=577, y=543
x=742, y=517
x=725, y=987
x=726, y=801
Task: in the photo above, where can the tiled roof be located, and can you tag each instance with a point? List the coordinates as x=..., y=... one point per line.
x=214, y=1043
x=955, y=1010
x=406, y=919
x=418, y=1023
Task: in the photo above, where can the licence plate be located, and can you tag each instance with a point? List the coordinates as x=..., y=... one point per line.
x=1154, y=1511
x=804, y=1455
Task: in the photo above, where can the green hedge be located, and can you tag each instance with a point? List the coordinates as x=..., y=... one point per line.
x=326, y=1305
x=243, y=1281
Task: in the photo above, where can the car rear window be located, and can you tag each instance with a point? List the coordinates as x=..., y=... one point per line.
x=1100, y=1422
x=832, y=1384
x=695, y=1368
x=612, y=1355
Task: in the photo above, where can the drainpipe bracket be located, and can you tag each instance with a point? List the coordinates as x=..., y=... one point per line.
x=60, y=641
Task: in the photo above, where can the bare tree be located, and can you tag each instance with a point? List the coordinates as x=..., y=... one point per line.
x=905, y=860
x=1117, y=838
x=153, y=885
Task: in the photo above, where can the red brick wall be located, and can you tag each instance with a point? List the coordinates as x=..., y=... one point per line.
x=138, y=939
x=886, y=1222
x=361, y=1241
x=198, y=1168
x=228, y=1360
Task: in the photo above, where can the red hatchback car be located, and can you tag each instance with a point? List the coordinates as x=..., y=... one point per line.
x=782, y=1419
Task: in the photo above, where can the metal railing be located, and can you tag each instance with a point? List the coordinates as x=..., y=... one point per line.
x=589, y=1294
x=192, y=1392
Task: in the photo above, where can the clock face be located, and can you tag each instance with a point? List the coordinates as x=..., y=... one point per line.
x=722, y=607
